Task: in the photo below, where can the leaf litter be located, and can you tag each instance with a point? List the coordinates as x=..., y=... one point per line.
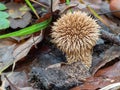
x=48, y=70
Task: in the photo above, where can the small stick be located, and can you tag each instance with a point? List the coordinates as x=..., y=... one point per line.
x=110, y=37
x=45, y=6
x=13, y=87
x=51, y=8
x=111, y=87
x=109, y=12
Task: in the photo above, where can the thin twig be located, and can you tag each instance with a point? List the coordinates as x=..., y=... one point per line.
x=94, y=13
x=110, y=37
x=109, y=12
x=32, y=8
x=111, y=87
x=51, y=7
x=45, y=6
x=34, y=41
x=11, y=84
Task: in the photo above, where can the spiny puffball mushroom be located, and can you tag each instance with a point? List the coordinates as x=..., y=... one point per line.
x=75, y=34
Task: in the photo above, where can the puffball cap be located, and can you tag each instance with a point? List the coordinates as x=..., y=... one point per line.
x=75, y=32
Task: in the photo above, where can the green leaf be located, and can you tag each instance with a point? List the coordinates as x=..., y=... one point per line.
x=4, y=23
x=29, y=30
x=2, y=6
x=68, y=2
x=3, y=15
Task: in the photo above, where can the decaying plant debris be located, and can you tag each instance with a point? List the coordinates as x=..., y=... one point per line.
x=45, y=65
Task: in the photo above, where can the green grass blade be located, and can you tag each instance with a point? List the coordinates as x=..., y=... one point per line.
x=29, y=30
x=32, y=8
x=96, y=15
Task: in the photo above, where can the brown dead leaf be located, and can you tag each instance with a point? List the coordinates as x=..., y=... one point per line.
x=19, y=1
x=63, y=7
x=112, y=71
x=55, y=5
x=114, y=6
x=95, y=1
x=109, y=55
x=102, y=78
x=16, y=80
x=6, y=56
x=6, y=42
x=16, y=51
x=23, y=49
x=19, y=15
x=114, y=28
x=62, y=1
x=22, y=22
x=114, y=86
x=16, y=10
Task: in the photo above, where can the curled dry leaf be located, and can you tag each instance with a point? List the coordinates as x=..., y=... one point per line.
x=23, y=49
x=102, y=78
x=16, y=51
x=109, y=55
x=111, y=71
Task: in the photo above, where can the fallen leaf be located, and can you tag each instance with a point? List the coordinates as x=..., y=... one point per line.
x=3, y=15
x=63, y=7
x=109, y=55
x=15, y=11
x=23, y=49
x=107, y=76
x=114, y=6
x=18, y=79
x=2, y=6
x=111, y=71
x=19, y=13
x=114, y=86
x=4, y=23
x=6, y=56
x=14, y=53
x=22, y=22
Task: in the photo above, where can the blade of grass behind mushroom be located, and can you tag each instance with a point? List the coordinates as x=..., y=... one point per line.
x=32, y=8
x=94, y=13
